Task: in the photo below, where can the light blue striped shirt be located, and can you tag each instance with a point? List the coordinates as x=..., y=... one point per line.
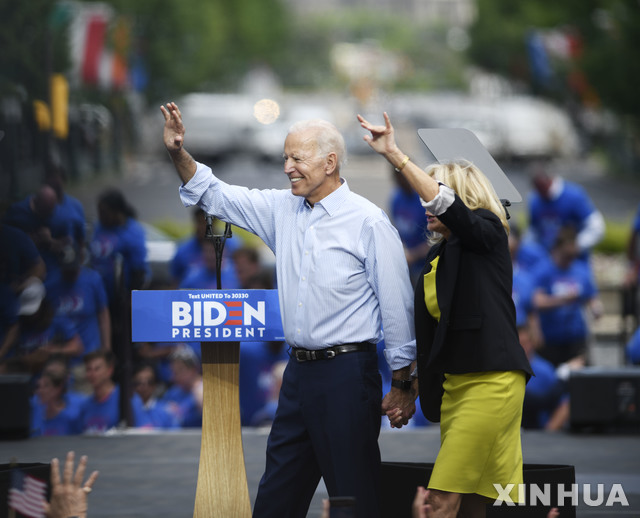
x=342, y=274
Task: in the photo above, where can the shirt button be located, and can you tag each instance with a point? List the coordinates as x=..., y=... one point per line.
x=304, y=278
x=299, y=304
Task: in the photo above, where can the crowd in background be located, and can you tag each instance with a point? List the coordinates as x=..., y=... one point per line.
x=65, y=308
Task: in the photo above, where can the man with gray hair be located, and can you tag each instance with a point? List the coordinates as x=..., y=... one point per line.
x=342, y=277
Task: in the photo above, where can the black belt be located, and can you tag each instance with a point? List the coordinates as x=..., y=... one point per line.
x=305, y=355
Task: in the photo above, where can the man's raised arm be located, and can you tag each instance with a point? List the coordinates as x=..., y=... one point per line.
x=174, y=142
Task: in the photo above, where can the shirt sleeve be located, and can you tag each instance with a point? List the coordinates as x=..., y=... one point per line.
x=250, y=209
x=388, y=274
x=442, y=201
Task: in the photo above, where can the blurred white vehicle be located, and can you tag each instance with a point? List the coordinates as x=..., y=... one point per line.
x=534, y=128
x=217, y=124
x=160, y=251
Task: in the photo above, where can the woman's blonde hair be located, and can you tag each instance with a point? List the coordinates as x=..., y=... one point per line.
x=471, y=185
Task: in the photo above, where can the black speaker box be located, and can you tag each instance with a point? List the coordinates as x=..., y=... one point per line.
x=399, y=481
x=605, y=399
x=36, y=470
x=15, y=412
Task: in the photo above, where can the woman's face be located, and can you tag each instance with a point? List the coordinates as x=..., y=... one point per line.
x=435, y=225
x=46, y=391
x=107, y=216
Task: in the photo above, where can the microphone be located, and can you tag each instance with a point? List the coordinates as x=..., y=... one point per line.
x=209, y=226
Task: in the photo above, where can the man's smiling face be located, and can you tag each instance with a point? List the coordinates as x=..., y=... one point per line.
x=308, y=172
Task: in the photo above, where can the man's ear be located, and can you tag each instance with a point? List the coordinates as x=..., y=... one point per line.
x=331, y=163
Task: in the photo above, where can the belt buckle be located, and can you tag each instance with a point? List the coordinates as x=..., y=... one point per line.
x=330, y=353
x=301, y=356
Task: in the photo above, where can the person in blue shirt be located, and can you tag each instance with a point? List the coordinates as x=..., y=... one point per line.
x=19, y=258
x=154, y=414
x=118, y=245
x=205, y=275
x=69, y=214
x=342, y=276
x=51, y=412
x=633, y=348
x=407, y=215
x=80, y=296
x=35, y=216
x=189, y=253
x=556, y=203
x=101, y=411
x=256, y=377
x=184, y=398
x=564, y=289
x=41, y=333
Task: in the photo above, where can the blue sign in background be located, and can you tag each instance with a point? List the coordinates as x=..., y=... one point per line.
x=205, y=316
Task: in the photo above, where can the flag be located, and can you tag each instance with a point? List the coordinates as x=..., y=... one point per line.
x=27, y=494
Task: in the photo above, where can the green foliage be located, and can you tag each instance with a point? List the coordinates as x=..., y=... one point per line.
x=608, y=30
x=33, y=43
x=616, y=238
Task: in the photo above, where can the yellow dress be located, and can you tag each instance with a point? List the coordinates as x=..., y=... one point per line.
x=480, y=421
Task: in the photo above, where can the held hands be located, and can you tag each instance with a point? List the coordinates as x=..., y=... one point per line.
x=173, y=128
x=399, y=405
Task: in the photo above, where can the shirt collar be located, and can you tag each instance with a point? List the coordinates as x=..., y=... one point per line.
x=557, y=185
x=332, y=202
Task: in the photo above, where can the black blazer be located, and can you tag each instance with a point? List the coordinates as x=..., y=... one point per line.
x=477, y=329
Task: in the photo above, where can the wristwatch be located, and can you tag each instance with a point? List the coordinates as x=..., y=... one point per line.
x=401, y=384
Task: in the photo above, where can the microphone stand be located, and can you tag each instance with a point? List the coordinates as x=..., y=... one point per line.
x=219, y=241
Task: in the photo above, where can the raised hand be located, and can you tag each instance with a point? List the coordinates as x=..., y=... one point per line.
x=173, y=127
x=382, y=138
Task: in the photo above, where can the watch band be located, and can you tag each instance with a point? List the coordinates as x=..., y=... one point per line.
x=401, y=384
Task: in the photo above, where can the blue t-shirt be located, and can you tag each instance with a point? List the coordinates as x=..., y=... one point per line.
x=636, y=222
x=522, y=294
x=81, y=302
x=572, y=207
x=18, y=254
x=68, y=218
x=126, y=241
x=543, y=393
x=189, y=256
x=633, y=348
x=60, y=330
x=156, y=415
x=565, y=324
x=100, y=416
x=256, y=378
x=67, y=422
x=200, y=278
x=409, y=218
x=184, y=407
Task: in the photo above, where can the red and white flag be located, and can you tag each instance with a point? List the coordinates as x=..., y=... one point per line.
x=27, y=494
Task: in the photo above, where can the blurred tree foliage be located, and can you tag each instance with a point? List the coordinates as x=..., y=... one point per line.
x=34, y=43
x=203, y=43
x=604, y=70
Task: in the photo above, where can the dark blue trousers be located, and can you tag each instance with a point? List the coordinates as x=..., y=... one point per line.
x=327, y=425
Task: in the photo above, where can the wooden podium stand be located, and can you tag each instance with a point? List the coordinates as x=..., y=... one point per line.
x=225, y=315
x=222, y=489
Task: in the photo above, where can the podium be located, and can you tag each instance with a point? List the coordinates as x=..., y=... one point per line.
x=219, y=319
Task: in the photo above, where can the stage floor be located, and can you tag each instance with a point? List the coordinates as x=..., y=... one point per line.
x=154, y=475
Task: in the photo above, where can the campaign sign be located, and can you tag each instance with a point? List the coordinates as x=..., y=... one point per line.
x=205, y=316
